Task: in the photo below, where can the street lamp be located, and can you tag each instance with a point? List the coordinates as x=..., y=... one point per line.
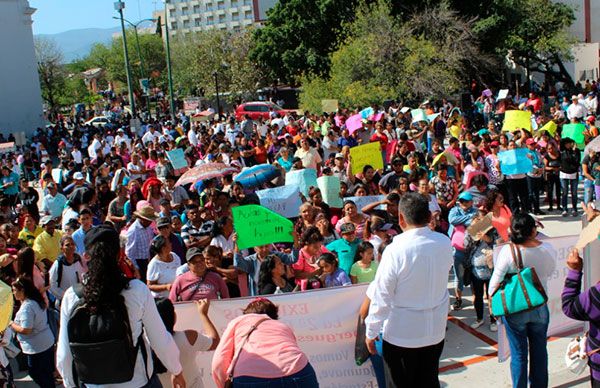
x=119, y=6
x=216, y=75
x=169, y=74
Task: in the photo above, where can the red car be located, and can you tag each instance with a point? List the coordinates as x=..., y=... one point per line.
x=258, y=109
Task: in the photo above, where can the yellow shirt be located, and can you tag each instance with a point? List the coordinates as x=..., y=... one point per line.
x=28, y=236
x=46, y=246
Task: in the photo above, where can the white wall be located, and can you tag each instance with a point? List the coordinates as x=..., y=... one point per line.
x=585, y=59
x=20, y=95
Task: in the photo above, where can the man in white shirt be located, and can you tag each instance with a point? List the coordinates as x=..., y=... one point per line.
x=591, y=104
x=192, y=137
x=122, y=138
x=150, y=135
x=575, y=111
x=95, y=147
x=410, y=292
x=310, y=157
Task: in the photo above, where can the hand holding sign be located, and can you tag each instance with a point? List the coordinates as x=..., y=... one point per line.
x=256, y=225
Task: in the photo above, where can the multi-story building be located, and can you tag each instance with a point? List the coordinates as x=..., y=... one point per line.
x=185, y=16
x=20, y=94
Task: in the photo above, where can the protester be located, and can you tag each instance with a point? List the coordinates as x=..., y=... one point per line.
x=162, y=267
x=332, y=275
x=68, y=269
x=365, y=267
x=197, y=283
x=256, y=349
x=527, y=330
x=411, y=287
x=272, y=277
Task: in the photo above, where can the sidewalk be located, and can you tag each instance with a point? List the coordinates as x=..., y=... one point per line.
x=470, y=355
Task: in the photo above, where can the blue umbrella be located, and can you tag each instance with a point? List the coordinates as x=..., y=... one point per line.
x=255, y=176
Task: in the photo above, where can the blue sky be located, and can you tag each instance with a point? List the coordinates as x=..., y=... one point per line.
x=54, y=16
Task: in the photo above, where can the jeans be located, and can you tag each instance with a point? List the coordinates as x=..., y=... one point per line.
x=412, y=367
x=306, y=378
x=588, y=191
x=460, y=258
x=534, y=186
x=565, y=185
x=553, y=186
x=477, y=285
x=41, y=368
x=527, y=335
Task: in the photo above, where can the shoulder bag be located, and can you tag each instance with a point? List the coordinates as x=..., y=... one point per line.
x=521, y=291
x=229, y=381
x=576, y=358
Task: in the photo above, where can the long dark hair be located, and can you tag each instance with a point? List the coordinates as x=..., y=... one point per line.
x=521, y=227
x=218, y=226
x=166, y=310
x=25, y=262
x=264, y=276
x=105, y=281
x=26, y=285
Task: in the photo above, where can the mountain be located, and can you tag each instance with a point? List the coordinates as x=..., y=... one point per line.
x=77, y=43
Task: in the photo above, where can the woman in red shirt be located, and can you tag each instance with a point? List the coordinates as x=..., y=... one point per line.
x=260, y=152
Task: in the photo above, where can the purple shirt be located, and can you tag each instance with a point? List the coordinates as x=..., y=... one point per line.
x=338, y=278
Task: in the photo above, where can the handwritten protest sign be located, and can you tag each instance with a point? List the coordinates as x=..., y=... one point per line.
x=283, y=200
x=367, y=154
x=365, y=113
x=574, y=132
x=364, y=201
x=517, y=119
x=330, y=190
x=550, y=126
x=502, y=94
x=6, y=148
x=256, y=225
x=483, y=224
x=354, y=123
x=329, y=106
x=177, y=159
x=303, y=179
x=515, y=161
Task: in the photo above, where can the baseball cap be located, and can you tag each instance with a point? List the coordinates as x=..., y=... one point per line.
x=193, y=252
x=45, y=220
x=162, y=222
x=339, y=155
x=530, y=141
x=78, y=176
x=348, y=227
x=465, y=196
x=494, y=144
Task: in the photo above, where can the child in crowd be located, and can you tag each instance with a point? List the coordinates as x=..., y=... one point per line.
x=332, y=276
x=364, y=268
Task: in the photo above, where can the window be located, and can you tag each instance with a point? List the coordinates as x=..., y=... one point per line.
x=198, y=22
x=252, y=108
x=263, y=108
x=173, y=26
x=184, y=10
x=235, y=16
x=186, y=24
x=220, y=5
x=221, y=18
x=247, y=2
x=248, y=15
x=210, y=20
x=196, y=9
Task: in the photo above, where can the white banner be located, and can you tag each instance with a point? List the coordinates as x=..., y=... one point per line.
x=559, y=322
x=283, y=200
x=324, y=322
x=366, y=200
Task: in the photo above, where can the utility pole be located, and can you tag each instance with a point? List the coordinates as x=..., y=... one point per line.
x=169, y=74
x=119, y=6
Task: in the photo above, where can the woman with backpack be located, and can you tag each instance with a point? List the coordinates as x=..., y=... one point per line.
x=126, y=309
x=67, y=270
x=527, y=330
x=33, y=332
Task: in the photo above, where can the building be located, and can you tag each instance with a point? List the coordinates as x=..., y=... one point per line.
x=20, y=94
x=185, y=16
x=586, y=27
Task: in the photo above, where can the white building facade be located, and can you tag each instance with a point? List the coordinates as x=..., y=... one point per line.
x=186, y=16
x=20, y=94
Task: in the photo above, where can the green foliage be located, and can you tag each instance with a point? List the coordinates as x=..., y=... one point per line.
x=197, y=57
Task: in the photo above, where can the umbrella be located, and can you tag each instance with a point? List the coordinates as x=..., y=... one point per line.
x=205, y=171
x=594, y=145
x=6, y=305
x=257, y=175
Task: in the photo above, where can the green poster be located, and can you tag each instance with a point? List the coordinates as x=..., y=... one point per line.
x=256, y=225
x=574, y=132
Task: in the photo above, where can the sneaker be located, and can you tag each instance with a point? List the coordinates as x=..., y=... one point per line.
x=457, y=304
x=494, y=327
x=477, y=324
x=565, y=214
x=574, y=213
x=550, y=209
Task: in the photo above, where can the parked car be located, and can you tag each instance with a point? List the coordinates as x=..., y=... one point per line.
x=258, y=109
x=98, y=121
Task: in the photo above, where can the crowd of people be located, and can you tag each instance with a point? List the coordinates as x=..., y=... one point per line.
x=95, y=228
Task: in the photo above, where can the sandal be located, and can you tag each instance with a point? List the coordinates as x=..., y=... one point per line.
x=457, y=304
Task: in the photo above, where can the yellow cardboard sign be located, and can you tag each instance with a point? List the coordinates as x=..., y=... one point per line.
x=329, y=106
x=517, y=119
x=367, y=154
x=550, y=126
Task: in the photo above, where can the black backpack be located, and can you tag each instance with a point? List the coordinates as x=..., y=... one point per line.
x=101, y=344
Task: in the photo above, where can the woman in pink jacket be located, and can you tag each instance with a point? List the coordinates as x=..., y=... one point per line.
x=258, y=350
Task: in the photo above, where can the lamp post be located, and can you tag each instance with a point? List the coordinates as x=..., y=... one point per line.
x=216, y=75
x=169, y=74
x=119, y=6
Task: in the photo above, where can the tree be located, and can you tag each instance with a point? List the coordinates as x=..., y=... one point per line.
x=52, y=77
x=385, y=57
x=299, y=36
x=197, y=57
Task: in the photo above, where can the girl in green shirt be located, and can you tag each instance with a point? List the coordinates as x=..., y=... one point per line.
x=364, y=268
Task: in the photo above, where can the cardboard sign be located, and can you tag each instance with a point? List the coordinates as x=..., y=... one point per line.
x=283, y=200
x=364, y=201
x=517, y=119
x=329, y=106
x=367, y=154
x=515, y=161
x=5, y=148
x=481, y=225
x=418, y=115
x=574, y=132
x=550, y=126
x=256, y=225
x=588, y=234
x=177, y=159
x=330, y=190
x=303, y=179
x=502, y=94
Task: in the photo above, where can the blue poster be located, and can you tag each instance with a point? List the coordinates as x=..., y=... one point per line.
x=283, y=200
x=304, y=179
x=515, y=161
x=177, y=159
